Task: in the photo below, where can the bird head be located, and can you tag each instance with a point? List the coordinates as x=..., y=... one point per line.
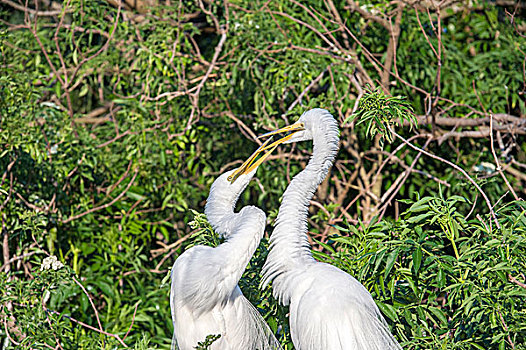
x=233, y=182
x=222, y=199
x=230, y=188
x=313, y=122
x=227, y=188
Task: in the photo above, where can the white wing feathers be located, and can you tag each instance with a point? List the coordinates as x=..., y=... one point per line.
x=335, y=311
x=208, y=289
x=204, y=283
x=261, y=337
x=198, y=278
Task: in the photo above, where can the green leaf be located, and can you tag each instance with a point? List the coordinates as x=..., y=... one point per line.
x=420, y=205
x=419, y=218
x=439, y=314
x=388, y=310
x=391, y=259
x=417, y=259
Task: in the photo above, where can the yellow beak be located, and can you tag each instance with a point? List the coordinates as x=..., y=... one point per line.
x=251, y=163
x=289, y=130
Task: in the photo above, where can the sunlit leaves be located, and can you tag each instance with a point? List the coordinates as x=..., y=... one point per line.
x=379, y=112
x=425, y=289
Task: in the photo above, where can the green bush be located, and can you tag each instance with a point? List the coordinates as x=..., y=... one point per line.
x=115, y=121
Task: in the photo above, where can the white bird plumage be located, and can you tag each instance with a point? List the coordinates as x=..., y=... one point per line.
x=329, y=309
x=205, y=298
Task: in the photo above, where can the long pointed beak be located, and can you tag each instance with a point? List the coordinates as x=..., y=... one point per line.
x=251, y=163
x=291, y=129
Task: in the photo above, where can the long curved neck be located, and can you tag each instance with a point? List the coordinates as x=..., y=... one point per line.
x=242, y=232
x=239, y=247
x=290, y=233
x=290, y=248
x=219, y=211
x=220, y=204
x=212, y=276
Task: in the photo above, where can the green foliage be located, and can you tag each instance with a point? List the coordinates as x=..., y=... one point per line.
x=434, y=298
x=34, y=305
x=105, y=150
x=380, y=112
x=204, y=234
x=205, y=345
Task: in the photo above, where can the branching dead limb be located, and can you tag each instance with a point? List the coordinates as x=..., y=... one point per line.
x=90, y=300
x=392, y=46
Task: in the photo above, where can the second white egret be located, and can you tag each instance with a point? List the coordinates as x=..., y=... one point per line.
x=329, y=309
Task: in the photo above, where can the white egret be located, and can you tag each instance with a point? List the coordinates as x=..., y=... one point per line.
x=329, y=309
x=205, y=298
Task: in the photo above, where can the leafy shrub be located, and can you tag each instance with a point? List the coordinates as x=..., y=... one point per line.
x=114, y=121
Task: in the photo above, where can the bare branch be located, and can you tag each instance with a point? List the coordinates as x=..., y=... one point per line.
x=354, y=7
x=32, y=11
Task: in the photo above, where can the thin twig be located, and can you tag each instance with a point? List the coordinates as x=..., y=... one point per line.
x=87, y=326
x=517, y=282
x=13, y=259
x=312, y=83
x=90, y=300
x=32, y=11
x=506, y=329
x=499, y=168
x=133, y=320
x=7, y=332
x=89, y=211
x=51, y=327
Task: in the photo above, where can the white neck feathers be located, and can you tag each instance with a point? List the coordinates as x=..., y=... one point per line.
x=290, y=249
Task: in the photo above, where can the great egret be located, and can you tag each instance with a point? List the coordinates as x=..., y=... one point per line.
x=329, y=309
x=204, y=297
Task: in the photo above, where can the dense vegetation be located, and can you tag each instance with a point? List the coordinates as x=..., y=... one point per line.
x=116, y=117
